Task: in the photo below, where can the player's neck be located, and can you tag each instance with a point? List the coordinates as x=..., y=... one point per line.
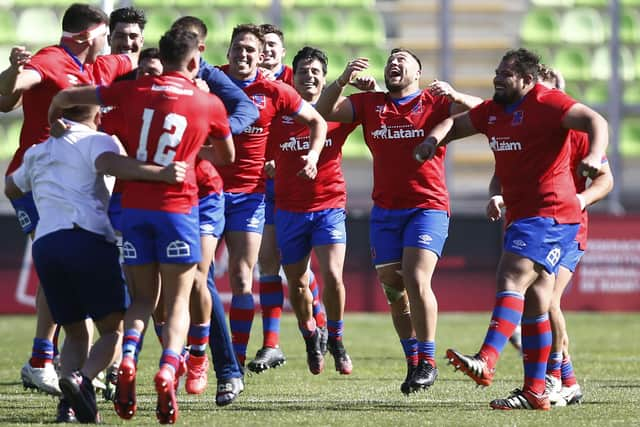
x=276, y=68
x=168, y=69
x=242, y=78
x=77, y=50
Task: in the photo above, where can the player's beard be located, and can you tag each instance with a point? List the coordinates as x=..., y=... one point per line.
x=503, y=99
x=393, y=87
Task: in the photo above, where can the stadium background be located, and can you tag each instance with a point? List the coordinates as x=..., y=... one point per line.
x=460, y=41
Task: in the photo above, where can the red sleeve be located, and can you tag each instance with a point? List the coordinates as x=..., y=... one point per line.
x=115, y=94
x=42, y=63
x=358, y=100
x=289, y=101
x=479, y=116
x=557, y=103
x=108, y=67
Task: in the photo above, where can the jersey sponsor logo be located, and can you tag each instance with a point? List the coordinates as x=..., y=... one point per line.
x=172, y=89
x=178, y=249
x=425, y=239
x=492, y=120
x=518, y=244
x=301, y=144
x=397, y=132
x=554, y=256
x=253, y=130
x=259, y=99
x=287, y=120
x=518, y=117
x=502, y=144
x=128, y=250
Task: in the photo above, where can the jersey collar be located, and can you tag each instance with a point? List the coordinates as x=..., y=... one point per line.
x=73, y=56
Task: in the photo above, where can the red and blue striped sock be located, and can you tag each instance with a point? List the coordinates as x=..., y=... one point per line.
x=308, y=328
x=271, y=301
x=554, y=364
x=427, y=351
x=170, y=359
x=567, y=374
x=507, y=312
x=335, y=328
x=318, y=309
x=536, y=347
x=240, y=319
x=41, y=353
x=410, y=348
x=130, y=343
x=198, y=338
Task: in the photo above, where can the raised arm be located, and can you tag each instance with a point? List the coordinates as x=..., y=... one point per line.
x=241, y=110
x=451, y=128
x=128, y=168
x=82, y=95
x=15, y=78
x=10, y=102
x=461, y=101
x=332, y=105
x=317, y=136
x=583, y=118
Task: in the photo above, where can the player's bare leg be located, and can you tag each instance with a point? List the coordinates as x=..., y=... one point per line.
x=302, y=303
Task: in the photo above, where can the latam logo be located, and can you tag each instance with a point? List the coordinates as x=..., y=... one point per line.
x=301, y=144
x=501, y=145
x=253, y=130
x=397, y=132
x=172, y=89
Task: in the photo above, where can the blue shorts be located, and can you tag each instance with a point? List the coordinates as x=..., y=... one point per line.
x=270, y=202
x=80, y=275
x=572, y=257
x=115, y=211
x=298, y=232
x=391, y=230
x=540, y=239
x=244, y=212
x=164, y=237
x=211, y=213
x=26, y=212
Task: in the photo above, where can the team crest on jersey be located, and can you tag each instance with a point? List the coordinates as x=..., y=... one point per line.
x=518, y=117
x=259, y=99
x=379, y=109
x=492, y=120
x=73, y=79
x=417, y=109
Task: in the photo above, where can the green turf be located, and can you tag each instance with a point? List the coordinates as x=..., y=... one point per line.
x=606, y=354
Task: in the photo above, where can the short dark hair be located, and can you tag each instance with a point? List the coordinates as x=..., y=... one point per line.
x=176, y=44
x=402, y=49
x=311, y=53
x=270, y=28
x=149, y=53
x=80, y=17
x=192, y=23
x=80, y=113
x=248, y=28
x=524, y=61
x=127, y=15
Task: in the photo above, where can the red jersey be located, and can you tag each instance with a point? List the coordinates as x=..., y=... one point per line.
x=59, y=70
x=111, y=122
x=391, y=132
x=208, y=178
x=297, y=194
x=285, y=75
x=272, y=99
x=169, y=119
x=531, y=154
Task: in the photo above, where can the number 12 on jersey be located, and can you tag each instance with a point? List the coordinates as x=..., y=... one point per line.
x=173, y=129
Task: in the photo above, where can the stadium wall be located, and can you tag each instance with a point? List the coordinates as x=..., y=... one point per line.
x=608, y=278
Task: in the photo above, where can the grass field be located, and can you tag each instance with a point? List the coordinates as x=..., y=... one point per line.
x=606, y=354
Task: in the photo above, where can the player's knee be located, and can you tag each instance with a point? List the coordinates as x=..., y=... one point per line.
x=393, y=295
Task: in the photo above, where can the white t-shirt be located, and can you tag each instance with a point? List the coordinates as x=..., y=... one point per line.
x=67, y=189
